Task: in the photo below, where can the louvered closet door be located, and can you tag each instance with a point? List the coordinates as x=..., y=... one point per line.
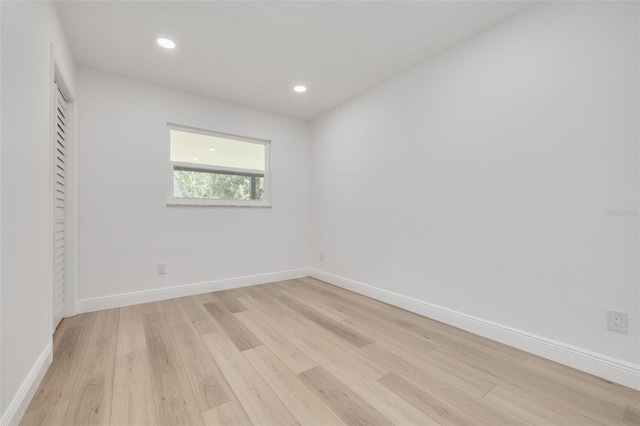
x=59, y=206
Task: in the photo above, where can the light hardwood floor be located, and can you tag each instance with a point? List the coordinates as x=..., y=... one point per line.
x=303, y=352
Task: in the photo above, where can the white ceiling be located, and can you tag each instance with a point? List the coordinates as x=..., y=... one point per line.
x=253, y=53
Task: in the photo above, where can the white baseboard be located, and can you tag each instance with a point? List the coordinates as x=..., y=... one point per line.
x=615, y=370
x=134, y=298
x=22, y=398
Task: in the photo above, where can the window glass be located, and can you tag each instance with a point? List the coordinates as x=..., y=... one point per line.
x=215, y=169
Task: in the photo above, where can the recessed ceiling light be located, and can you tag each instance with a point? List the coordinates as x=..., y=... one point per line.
x=212, y=149
x=166, y=43
x=194, y=158
x=300, y=89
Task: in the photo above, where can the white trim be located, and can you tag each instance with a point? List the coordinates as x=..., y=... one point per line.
x=209, y=202
x=22, y=398
x=51, y=224
x=145, y=296
x=71, y=261
x=615, y=370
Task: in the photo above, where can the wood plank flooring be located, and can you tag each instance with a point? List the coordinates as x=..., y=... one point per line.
x=303, y=352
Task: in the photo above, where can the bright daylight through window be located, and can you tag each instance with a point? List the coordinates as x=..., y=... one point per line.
x=208, y=168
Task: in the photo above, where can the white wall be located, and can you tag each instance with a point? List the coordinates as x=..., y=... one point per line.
x=478, y=180
x=28, y=29
x=125, y=226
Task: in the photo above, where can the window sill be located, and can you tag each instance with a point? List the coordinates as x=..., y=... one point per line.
x=251, y=206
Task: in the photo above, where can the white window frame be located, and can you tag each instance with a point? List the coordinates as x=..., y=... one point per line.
x=208, y=202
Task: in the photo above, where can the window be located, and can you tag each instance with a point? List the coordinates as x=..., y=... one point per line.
x=215, y=169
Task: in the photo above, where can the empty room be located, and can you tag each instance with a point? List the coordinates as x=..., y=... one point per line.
x=319, y=213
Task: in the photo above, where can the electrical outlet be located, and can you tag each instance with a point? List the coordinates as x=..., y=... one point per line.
x=617, y=321
x=321, y=256
x=161, y=269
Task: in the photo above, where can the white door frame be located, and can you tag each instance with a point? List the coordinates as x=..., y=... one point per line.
x=71, y=191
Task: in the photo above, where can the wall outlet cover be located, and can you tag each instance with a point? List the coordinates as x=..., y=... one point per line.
x=161, y=269
x=617, y=321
